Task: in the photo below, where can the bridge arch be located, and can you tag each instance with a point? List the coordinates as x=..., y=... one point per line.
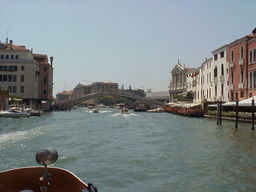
x=123, y=94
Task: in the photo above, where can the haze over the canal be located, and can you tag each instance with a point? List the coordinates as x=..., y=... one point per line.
x=129, y=42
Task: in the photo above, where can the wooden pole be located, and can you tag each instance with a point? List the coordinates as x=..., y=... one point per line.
x=236, y=114
x=253, y=113
x=220, y=112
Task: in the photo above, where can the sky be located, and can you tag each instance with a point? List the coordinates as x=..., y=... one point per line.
x=131, y=42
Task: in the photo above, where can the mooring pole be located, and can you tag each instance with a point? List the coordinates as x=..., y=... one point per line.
x=236, y=114
x=220, y=112
x=253, y=113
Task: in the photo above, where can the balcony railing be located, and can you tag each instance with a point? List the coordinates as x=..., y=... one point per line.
x=222, y=79
x=230, y=64
x=215, y=80
x=241, y=85
x=241, y=62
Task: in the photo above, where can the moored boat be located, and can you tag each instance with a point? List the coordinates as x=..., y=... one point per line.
x=192, y=109
x=43, y=179
x=14, y=113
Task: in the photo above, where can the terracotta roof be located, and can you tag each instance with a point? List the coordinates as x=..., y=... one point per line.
x=13, y=47
x=189, y=69
x=65, y=93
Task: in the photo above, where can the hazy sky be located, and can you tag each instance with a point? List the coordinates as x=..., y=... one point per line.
x=133, y=42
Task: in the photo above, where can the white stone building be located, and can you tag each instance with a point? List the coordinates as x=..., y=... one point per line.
x=220, y=86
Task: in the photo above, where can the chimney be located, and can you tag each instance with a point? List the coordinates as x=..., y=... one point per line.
x=51, y=59
x=31, y=50
x=11, y=43
x=6, y=40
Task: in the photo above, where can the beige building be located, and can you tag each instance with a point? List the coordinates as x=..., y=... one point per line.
x=20, y=74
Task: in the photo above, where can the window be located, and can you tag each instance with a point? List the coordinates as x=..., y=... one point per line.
x=44, y=91
x=232, y=77
x=6, y=56
x=10, y=78
x=2, y=56
x=215, y=71
x=222, y=69
x=242, y=53
x=17, y=57
x=9, y=89
x=215, y=90
x=236, y=96
x=44, y=81
x=254, y=79
x=4, y=77
x=22, y=89
x=242, y=75
x=251, y=76
x=215, y=57
x=45, y=69
x=232, y=55
x=14, y=78
x=241, y=94
x=1, y=78
x=254, y=55
x=14, y=89
x=12, y=68
x=22, y=68
x=222, y=89
x=221, y=54
x=12, y=56
x=22, y=78
x=250, y=56
x=3, y=68
x=250, y=94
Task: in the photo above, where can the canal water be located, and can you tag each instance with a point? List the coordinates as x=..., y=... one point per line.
x=151, y=152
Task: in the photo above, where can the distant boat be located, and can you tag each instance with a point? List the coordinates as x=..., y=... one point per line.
x=35, y=179
x=124, y=110
x=14, y=113
x=95, y=110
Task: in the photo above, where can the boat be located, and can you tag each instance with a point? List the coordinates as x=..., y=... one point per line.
x=43, y=179
x=14, y=113
x=191, y=109
x=124, y=110
x=95, y=110
x=140, y=107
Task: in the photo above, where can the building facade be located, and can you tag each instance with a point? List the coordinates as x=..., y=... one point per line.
x=22, y=74
x=19, y=72
x=178, y=83
x=240, y=57
x=220, y=87
x=45, y=80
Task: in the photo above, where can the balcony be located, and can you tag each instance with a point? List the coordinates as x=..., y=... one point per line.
x=215, y=80
x=241, y=85
x=222, y=79
x=230, y=64
x=241, y=62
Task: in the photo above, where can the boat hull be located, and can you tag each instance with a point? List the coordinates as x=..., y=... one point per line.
x=28, y=179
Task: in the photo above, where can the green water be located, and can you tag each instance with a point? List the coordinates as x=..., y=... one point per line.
x=137, y=152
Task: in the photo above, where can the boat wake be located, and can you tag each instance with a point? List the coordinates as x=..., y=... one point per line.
x=21, y=135
x=124, y=115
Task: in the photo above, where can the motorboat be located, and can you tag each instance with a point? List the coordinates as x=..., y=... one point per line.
x=14, y=113
x=95, y=110
x=124, y=110
x=43, y=179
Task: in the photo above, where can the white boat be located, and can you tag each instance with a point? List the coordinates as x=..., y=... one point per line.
x=95, y=110
x=13, y=113
x=124, y=110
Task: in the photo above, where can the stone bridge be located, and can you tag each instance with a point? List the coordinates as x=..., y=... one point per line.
x=120, y=93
